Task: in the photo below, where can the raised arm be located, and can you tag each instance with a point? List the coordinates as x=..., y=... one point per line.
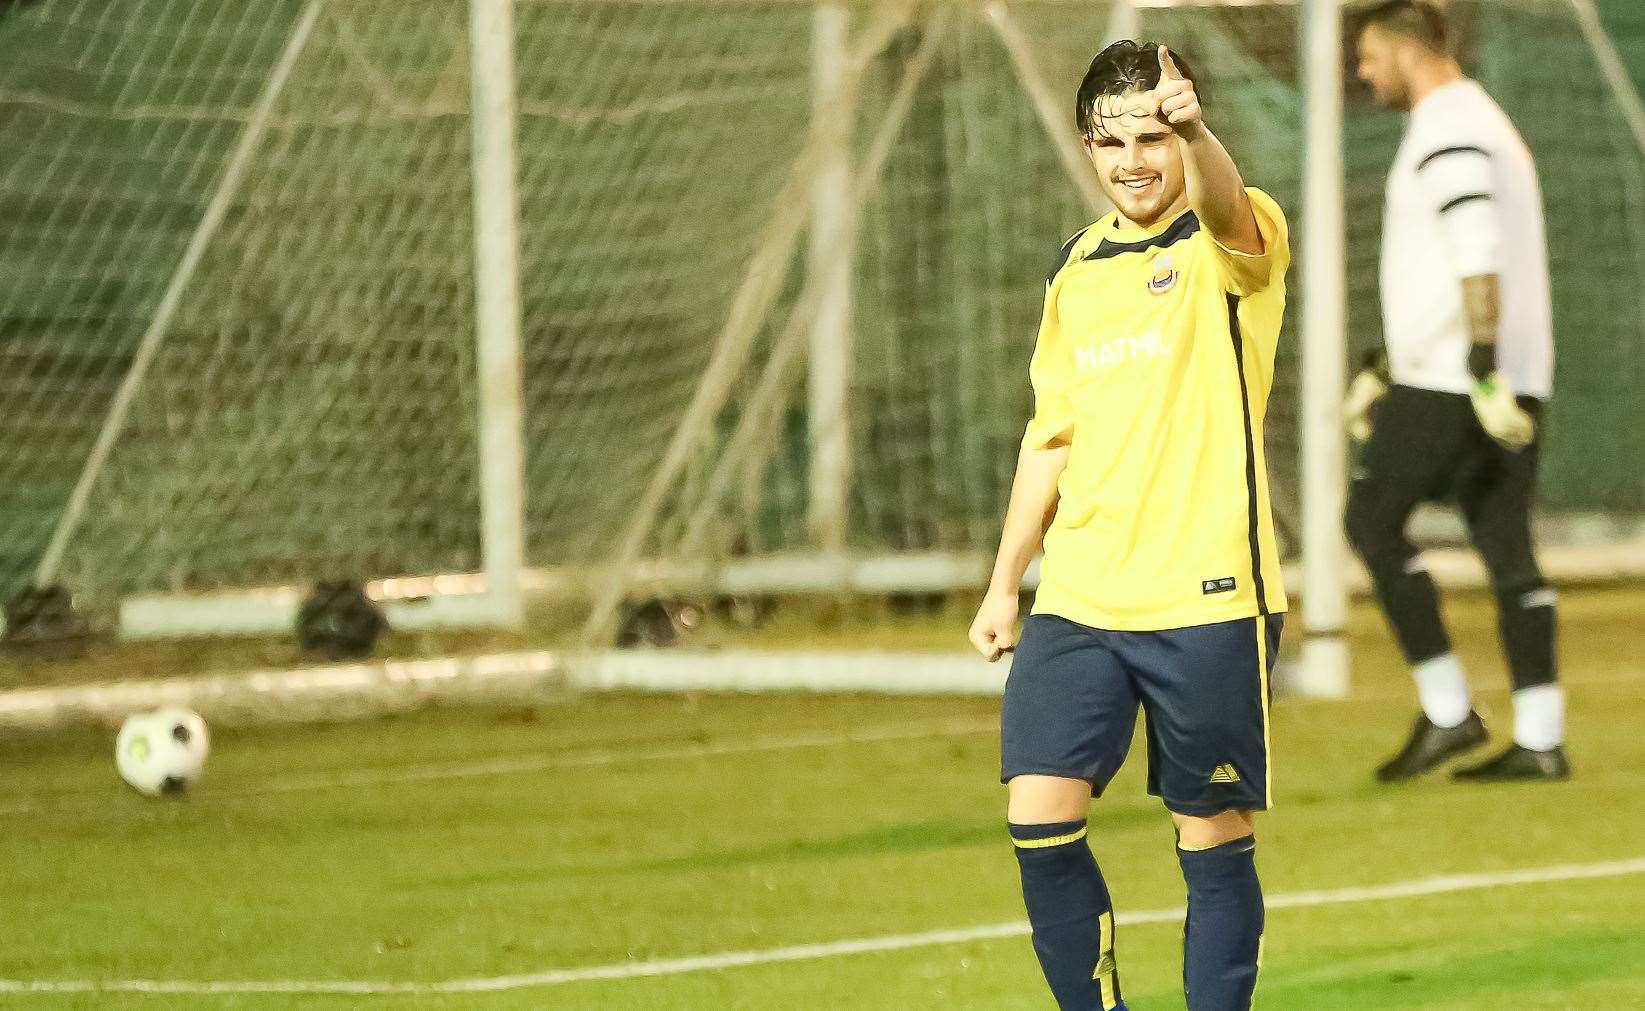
x=1215, y=190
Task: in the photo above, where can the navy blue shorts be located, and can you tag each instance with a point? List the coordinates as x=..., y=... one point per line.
x=1071, y=707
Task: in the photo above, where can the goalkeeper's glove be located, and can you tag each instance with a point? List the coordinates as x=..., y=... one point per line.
x=1367, y=388
x=1363, y=393
x=1500, y=414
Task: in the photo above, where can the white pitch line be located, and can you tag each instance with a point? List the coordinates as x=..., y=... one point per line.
x=805, y=952
x=541, y=763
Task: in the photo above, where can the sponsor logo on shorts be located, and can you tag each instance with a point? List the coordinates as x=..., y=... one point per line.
x=1225, y=773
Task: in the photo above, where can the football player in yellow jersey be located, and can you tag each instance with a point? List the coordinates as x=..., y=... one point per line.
x=1142, y=476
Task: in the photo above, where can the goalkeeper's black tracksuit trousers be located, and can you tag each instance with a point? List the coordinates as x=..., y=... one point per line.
x=1428, y=446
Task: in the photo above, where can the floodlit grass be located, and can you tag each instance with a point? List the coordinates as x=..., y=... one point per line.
x=612, y=829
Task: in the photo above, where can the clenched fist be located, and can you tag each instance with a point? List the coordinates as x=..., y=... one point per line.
x=994, y=632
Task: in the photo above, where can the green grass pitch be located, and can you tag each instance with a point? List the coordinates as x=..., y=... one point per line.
x=608, y=830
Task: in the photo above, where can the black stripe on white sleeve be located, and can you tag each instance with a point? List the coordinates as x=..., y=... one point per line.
x=1458, y=149
x=1463, y=199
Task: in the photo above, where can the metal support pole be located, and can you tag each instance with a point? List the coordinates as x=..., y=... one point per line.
x=1323, y=670
x=832, y=251
x=497, y=307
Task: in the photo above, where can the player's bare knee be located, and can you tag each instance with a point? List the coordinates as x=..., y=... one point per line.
x=1042, y=800
x=1201, y=832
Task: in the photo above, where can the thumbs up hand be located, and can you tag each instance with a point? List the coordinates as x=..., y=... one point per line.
x=1175, y=100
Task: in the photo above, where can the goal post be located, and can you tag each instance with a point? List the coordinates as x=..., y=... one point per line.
x=497, y=311
x=833, y=234
x=1322, y=668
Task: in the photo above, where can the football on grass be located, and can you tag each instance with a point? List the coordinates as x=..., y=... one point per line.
x=161, y=752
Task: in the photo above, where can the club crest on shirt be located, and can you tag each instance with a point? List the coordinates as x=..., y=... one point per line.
x=1165, y=275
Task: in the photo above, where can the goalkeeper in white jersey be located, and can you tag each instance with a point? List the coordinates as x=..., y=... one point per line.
x=1453, y=410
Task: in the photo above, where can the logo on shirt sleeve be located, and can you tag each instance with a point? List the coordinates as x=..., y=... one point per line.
x=1165, y=275
x=1223, y=585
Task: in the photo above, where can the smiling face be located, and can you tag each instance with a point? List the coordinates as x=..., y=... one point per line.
x=1137, y=159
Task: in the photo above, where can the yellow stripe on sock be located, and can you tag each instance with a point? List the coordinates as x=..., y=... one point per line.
x=1106, y=971
x=1056, y=840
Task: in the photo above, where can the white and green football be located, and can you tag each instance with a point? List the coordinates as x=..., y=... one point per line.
x=163, y=751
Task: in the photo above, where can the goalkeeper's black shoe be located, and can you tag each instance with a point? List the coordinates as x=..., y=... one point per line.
x=1430, y=745
x=1518, y=764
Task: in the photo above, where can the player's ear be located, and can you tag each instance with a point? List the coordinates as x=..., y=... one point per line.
x=1088, y=144
x=1406, y=52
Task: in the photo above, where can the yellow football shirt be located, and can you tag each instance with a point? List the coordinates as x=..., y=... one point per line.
x=1154, y=361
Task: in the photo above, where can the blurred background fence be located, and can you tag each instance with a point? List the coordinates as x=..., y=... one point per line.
x=686, y=249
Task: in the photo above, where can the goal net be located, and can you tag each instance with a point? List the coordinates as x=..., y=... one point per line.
x=780, y=266
x=272, y=201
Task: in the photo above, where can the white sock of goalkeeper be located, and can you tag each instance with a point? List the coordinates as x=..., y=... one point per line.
x=1539, y=717
x=1443, y=689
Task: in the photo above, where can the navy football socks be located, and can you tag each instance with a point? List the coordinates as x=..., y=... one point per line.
x=1072, y=918
x=1222, y=939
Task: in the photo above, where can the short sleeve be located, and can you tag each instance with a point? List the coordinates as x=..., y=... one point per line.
x=1050, y=373
x=1459, y=185
x=1248, y=273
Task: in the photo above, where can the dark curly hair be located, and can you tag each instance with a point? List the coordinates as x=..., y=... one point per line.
x=1127, y=65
